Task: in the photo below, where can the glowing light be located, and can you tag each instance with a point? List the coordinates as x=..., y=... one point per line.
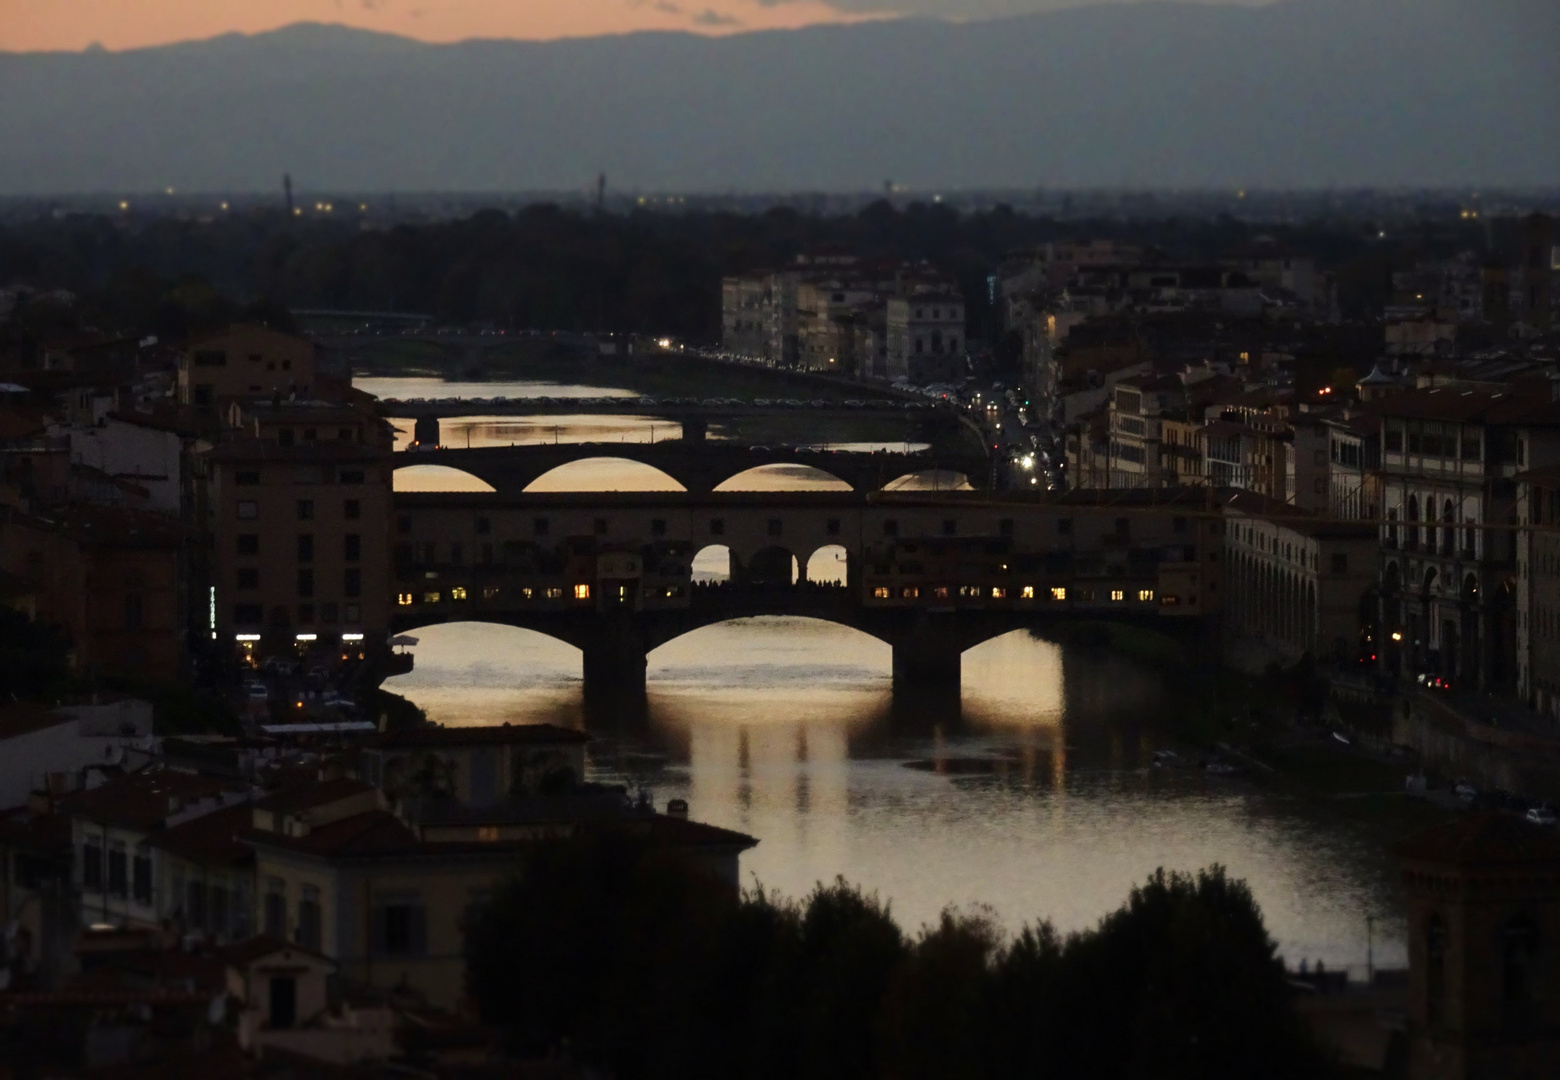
x=351, y=637
x=1396, y=636
x=305, y=637
x=246, y=637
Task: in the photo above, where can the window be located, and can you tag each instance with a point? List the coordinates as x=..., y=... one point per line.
x=404, y=599
x=309, y=917
x=351, y=614
x=717, y=527
x=539, y=526
x=998, y=592
x=133, y=611
x=118, y=871
x=248, y=614
x=247, y=579
x=306, y=614
x=248, y=544
x=246, y=478
x=457, y=555
x=1058, y=592
x=601, y=526
x=399, y=926
x=344, y=435
x=352, y=510
x=352, y=582
x=430, y=598
x=1117, y=594
x=353, y=545
x=351, y=476
x=305, y=582
x=880, y=592
x=1145, y=594
x=582, y=592
x=306, y=547
x=141, y=878
x=657, y=526
x=553, y=592
x=1393, y=441
x=305, y=509
x=458, y=592
x=950, y=526
x=774, y=526
x=248, y=510
x=92, y=866
x=328, y=614
x=833, y=527
x=403, y=524
x=1005, y=527
x=890, y=527
x=284, y=436
x=1123, y=526
x=211, y=358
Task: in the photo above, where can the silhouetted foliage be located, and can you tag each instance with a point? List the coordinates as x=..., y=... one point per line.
x=631, y=958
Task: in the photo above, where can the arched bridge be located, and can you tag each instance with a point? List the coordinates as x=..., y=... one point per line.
x=698, y=467
x=931, y=575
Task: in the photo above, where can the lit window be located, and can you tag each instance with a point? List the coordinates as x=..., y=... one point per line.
x=553, y=593
x=1117, y=594
x=881, y=592
x=526, y=592
x=430, y=598
x=1058, y=593
x=1145, y=594
x=910, y=592
x=998, y=592
x=941, y=592
x=1028, y=592
x=404, y=599
x=489, y=592
x=487, y=832
x=1167, y=601
x=582, y=592
x=458, y=593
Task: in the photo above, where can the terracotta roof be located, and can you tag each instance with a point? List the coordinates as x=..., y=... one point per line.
x=211, y=839
x=1483, y=838
x=258, y=948
x=141, y=801
x=47, y=834
x=1512, y=406
x=302, y=797
x=488, y=735
x=376, y=832
x=1256, y=505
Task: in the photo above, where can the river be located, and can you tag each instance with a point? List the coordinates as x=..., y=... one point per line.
x=1034, y=795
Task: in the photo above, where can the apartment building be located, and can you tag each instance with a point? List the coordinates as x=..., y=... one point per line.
x=1138, y=408
x=300, y=545
x=1449, y=458
x=244, y=361
x=925, y=332
x=1538, y=590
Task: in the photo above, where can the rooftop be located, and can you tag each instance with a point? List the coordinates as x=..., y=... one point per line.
x=306, y=796
x=211, y=839
x=143, y=800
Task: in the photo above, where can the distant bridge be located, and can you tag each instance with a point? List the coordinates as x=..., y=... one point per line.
x=931, y=575
x=698, y=466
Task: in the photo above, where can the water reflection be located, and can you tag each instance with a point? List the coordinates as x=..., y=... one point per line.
x=437, y=478
x=1033, y=794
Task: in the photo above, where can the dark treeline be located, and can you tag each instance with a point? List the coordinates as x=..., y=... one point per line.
x=552, y=268
x=626, y=959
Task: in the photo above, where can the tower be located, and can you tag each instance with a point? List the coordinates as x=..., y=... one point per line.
x=1483, y=949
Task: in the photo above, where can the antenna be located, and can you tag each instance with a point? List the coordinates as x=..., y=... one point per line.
x=287, y=190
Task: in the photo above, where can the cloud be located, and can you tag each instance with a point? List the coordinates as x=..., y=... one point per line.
x=669, y=8
x=710, y=17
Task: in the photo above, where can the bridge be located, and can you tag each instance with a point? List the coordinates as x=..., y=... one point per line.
x=929, y=574
x=698, y=466
x=693, y=417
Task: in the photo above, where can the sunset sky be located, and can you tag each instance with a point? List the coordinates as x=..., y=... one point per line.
x=127, y=24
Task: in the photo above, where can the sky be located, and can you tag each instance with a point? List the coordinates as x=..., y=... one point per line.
x=27, y=25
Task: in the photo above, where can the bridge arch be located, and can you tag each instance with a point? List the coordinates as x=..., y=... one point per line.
x=437, y=478
x=829, y=564
x=605, y=474
x=930, y=480
x=783, y=476
x=712, y=565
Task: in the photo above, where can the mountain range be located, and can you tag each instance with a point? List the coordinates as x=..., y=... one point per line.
x=1302, y=93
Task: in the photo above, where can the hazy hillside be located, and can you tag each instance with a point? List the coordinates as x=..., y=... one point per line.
x=1306, y=92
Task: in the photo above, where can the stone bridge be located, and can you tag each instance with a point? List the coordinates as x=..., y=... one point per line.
x=930, y=575
x=699, y=467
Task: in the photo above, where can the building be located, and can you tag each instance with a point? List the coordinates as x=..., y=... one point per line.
x=477, y=766
x=40, y=745
x=300, y=543
x=114, y=579
x=245, y=361
x=1137, y=410
x=1449, y=458
x=747, y=314
x=1354, y=467
x=1538, y=591
x=1483, y=916
x=925, y=333
x=1296, y=584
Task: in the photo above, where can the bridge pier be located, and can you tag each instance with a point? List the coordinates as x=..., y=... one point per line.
x=426, y=431
x=928, y=654
x=694, y=428
x=614, y=664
